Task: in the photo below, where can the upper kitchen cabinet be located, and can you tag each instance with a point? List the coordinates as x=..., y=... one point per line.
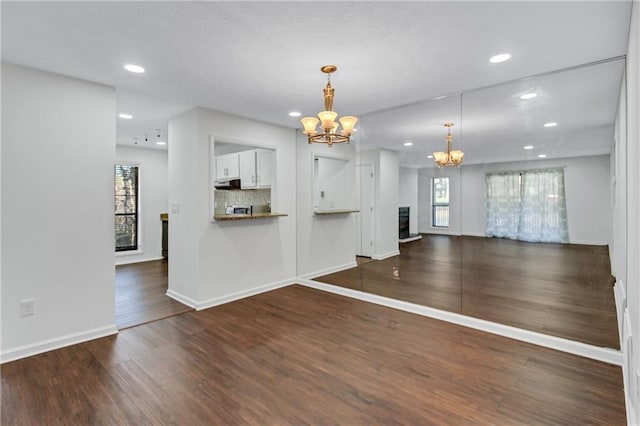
x=227, y=166
x=257, y=168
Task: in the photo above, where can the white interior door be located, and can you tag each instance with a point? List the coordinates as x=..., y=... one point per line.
x=365, y=217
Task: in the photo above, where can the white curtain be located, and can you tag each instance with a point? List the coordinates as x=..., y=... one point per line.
x=528, y=206
x=502, y=205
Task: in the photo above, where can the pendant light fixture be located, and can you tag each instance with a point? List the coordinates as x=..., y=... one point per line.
x=449, y=158
x=329, y=128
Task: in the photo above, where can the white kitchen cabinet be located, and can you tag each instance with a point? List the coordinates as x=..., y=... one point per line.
x=227, y=166
x=265, y=166
x=257, y=168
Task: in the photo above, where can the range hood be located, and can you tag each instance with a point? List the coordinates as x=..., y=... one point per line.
x=227, y=184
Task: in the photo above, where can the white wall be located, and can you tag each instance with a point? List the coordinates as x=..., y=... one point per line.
x=632, y=370
x=58, y=151
x=587, y=189
x=213, y=262
x=386, y=171
x=325, y=243
x=408, y=195
x=153, y=192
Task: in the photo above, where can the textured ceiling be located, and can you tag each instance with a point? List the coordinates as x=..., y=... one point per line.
x=262, y=59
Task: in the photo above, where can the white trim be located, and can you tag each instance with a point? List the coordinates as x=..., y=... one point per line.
x=130, y=252
x=627, y=346
x=440, y=231
x=474, y=234
x=198, y=306
x=607, y=355
x=185, y=300
x=127, y=262
x=333, y=269
x=385, y=255
x=588, y=242
x=409, y=239
x=57, y=343
x=621, y=303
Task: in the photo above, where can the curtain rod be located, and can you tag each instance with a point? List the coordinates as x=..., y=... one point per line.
x=525, y=170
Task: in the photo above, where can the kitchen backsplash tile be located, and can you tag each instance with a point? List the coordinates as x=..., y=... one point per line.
x=241, y=198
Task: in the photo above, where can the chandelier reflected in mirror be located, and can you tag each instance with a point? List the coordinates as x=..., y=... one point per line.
x=449, y=158
x=329, y=133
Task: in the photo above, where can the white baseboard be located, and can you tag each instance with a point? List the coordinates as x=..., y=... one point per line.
x=124, y=261
x=607, y=355
x=627, y=365
x=588, y=243
x=385, y=255
x=185, y=300
x=57, y=343
x=621, y=303
x=210, y=303
x=331, y=270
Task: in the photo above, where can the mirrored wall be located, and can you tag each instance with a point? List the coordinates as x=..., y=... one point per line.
x=520, y=233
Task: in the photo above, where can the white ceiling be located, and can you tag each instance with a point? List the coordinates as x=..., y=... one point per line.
x=262, y=59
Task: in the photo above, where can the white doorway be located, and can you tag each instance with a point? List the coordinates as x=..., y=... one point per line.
x=364, y=219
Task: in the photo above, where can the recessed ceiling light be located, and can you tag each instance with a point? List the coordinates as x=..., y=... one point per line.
x=500, y=58
x=125, y=116
x=528, y=96
x=408, y=143
x=542, y=155
x=295, y=114
x=161, y=143
x=550, y=124
x=134, y=68
x=528, y=147
x=429, y=156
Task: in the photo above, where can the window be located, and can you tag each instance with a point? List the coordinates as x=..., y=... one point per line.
x=126, y=207
x=440, y=202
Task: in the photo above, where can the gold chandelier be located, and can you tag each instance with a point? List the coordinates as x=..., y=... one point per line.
x=449, y=158
x=329, y=134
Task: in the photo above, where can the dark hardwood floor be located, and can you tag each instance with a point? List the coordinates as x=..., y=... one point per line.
x=562, y=290
x=301, y=356
x=141, y=294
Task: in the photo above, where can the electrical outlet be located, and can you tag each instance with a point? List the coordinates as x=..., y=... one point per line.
x=27, y=308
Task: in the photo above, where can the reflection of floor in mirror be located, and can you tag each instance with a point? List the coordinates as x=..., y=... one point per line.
x=562, y=290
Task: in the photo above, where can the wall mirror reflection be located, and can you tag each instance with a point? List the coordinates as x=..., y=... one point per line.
x=333, y=184
x=521, y=233
x=242, y=177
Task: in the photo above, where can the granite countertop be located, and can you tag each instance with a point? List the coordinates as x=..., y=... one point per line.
x=337, y=211
x=248, y=216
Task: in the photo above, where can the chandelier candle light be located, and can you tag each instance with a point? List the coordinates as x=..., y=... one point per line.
x=449, y=158
x=329, y=134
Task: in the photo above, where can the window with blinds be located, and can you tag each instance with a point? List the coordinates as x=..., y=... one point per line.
x=126, y=207
x=440, y=202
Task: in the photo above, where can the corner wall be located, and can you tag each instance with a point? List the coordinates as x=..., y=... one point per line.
x=325, y=243
x=631, y=347
x=58, y=150
x=408, y=195
x=215, y=262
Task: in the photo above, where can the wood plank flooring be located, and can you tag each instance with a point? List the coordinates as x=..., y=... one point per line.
x=141, y=294
x=301, y=356
x=557, y=289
